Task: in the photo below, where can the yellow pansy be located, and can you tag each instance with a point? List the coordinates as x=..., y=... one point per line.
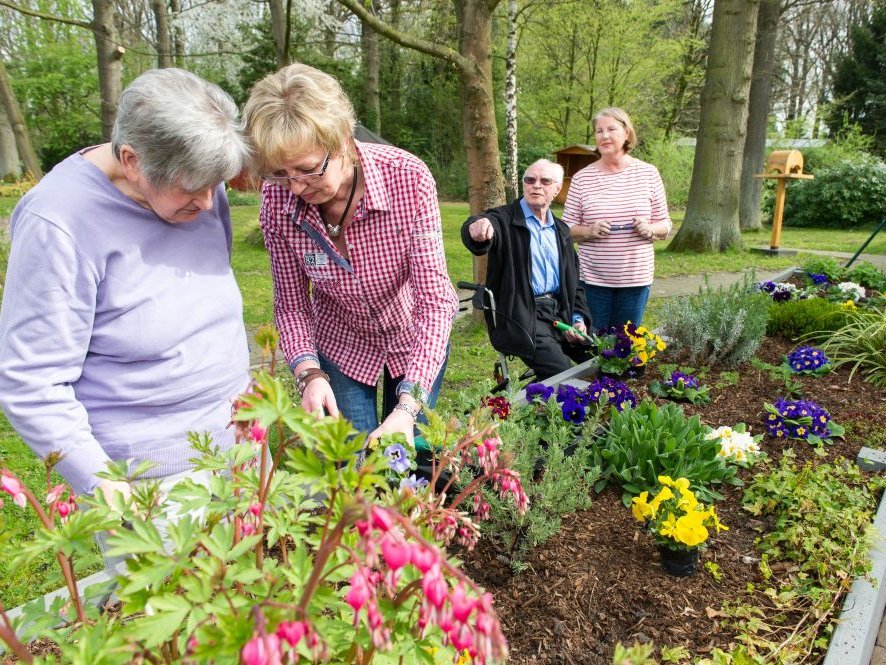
x=667, y=481
x=689, y=529
x=641, y=508
x=664, y=495
x=850, y=304
x=718, y=525
x=660, y=345
x=668, y=526
x=687, y=502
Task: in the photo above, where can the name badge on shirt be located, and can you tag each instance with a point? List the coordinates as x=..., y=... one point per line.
x=315, y=259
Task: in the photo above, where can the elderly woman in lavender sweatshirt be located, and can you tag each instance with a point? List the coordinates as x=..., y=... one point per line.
x=121, y=328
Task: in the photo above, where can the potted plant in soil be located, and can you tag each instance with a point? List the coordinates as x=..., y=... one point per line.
x=625, y=350
x=678, y=523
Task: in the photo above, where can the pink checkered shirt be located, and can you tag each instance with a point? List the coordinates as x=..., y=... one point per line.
x=392, y=302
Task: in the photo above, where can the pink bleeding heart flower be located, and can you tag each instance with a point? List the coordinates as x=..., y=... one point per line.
x=462, y=604
x=11, y=485
x=435, y=587
x=292, y=631
x=262, y=650
x=256, y=508
x=257, y=433
x=423, y=557
x=381, y=518
x=55, y=493
x=63, y=508
x=395, y=551
x=359, y=593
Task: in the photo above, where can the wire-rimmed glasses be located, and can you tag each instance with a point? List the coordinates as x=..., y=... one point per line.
x=286, y=180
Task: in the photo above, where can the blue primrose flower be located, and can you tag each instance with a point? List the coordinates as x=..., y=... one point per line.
x=398, y=458
x=539, y=390
x=819, y=279
x=807, y=359
x=689, y=381
x=617, y=393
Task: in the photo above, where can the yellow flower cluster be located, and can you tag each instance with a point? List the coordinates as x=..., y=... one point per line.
x=644, y=343
x=675, y=515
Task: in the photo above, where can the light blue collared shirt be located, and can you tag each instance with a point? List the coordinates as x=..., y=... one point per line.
x=543, y=250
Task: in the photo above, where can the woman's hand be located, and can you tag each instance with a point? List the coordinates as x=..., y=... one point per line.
x=399, y=420
x=643, y=227
x=318, y=396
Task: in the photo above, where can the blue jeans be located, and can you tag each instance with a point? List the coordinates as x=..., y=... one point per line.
x=611, y=306
x=358, y=402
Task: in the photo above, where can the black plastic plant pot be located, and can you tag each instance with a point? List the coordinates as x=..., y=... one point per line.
x=680, y=563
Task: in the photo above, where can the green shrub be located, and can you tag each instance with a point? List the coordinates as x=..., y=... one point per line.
x=238, y=198
x=796, y=318
x=864, y=272
x=861, y=343
x=643, y=443
x=553, y=464
x=675, y=165
x=849, y=194
x=717, y=326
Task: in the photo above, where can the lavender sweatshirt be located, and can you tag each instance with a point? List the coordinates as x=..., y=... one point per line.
x=119, y=332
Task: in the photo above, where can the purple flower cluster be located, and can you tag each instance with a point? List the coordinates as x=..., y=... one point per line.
x=538, y=390
x=681, y=380
x=807, y=359
x=780, y=291
x=574, y=403
x=621, y=344
x=616, y=393
x=797, y=420
x=819, y=279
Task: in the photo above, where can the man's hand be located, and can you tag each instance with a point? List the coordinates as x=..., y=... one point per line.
x=572, y=338
x=481, y=230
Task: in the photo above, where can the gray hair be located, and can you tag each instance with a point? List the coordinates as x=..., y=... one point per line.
x=555, y=169
x=184, y=130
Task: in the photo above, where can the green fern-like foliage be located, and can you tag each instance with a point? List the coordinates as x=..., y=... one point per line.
x=717, y=327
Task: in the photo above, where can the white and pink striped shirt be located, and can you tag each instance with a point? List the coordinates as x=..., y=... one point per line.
x=622, y=258
x=391, y=303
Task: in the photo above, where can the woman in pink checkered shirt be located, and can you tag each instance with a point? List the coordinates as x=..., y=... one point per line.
x=353, y=230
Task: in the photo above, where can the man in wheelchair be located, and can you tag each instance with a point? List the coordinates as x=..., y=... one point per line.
x=532, y=272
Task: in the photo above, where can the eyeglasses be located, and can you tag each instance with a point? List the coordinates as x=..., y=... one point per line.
x=530, y=180
x=286, y=180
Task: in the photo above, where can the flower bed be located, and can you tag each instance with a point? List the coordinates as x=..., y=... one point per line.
x=598, y=581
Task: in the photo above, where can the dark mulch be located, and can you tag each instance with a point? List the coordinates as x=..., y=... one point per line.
x=598, y=581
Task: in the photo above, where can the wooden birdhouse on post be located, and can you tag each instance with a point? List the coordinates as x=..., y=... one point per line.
x=782, y=165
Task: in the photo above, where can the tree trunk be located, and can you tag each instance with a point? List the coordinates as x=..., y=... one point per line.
x=164, y=36
x=711, y=221
x=369, y=41
x=10, y=166
x=17, y=123
x=178, y=36
x=109, y=54
x=486, y=184
x=754, y=153
x=512, y=187
x=280, y=29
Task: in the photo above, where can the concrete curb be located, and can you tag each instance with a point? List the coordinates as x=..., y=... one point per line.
x=856, y=633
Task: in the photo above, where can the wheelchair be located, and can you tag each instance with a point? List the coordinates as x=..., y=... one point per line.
x=484, y=300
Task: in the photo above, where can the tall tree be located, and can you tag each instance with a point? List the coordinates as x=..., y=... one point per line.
x=109, y=53
x=10, y=165
x=164, y=33
x=17, y=123
x=473, y=61
x=281, y=12
x=711, y=221
x=758, y=115
x=512, y=187
x=860, y=81
x=369, y=42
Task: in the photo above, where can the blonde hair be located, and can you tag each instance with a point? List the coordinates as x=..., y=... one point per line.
x=295, y=110
x=621, y=117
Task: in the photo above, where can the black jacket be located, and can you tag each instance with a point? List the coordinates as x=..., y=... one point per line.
x=508, y=275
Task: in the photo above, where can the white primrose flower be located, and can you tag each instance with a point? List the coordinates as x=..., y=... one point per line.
x=852, y=290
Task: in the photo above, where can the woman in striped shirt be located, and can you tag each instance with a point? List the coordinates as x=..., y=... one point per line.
x=615, y=208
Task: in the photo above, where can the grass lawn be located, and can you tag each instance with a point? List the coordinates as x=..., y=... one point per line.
x=470, y=363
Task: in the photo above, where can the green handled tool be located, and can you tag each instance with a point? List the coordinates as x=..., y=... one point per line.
x=559, y=325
